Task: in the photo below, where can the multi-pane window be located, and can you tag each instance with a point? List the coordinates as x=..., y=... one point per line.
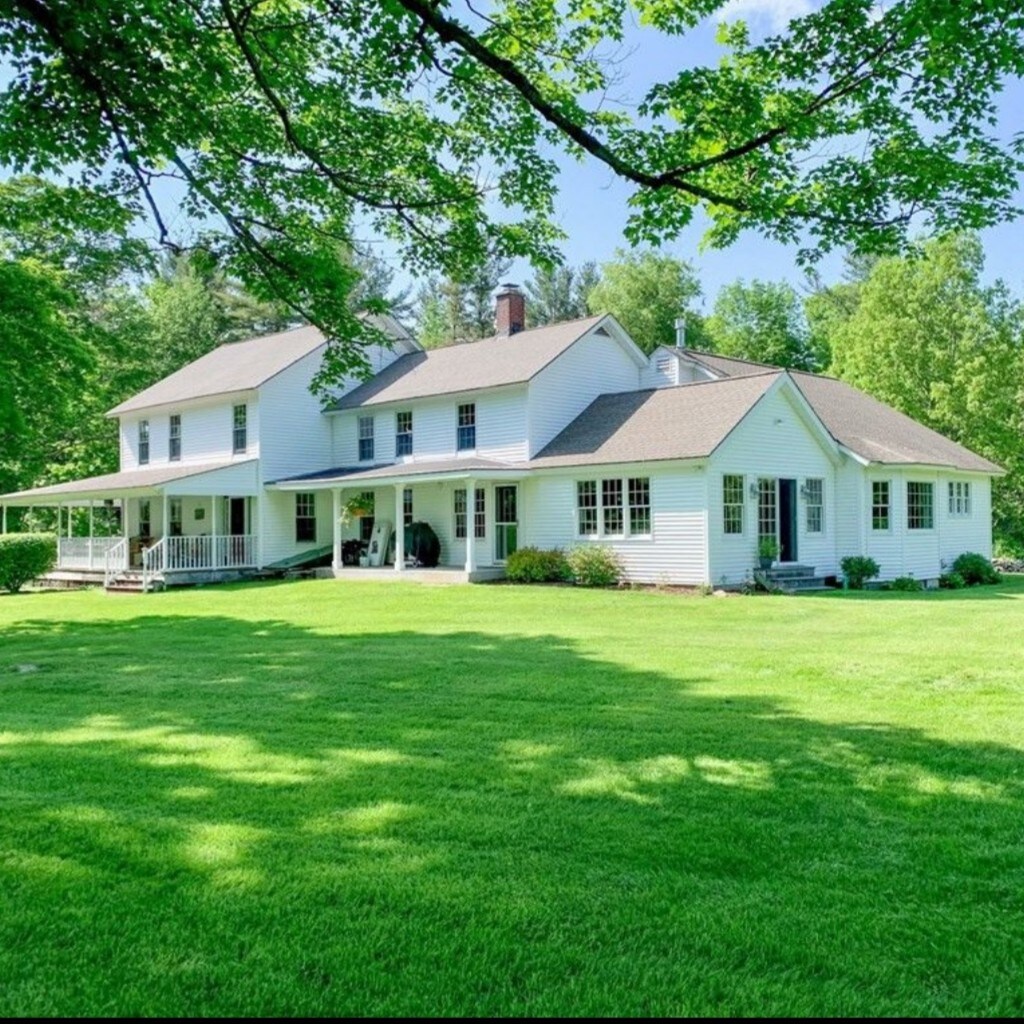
x=466, y=434
x=479, y=513
x=175, y=517
x=586, y=507
x=767, y=504
x=403, y=433
x=639, y=505
x=365, y=438
x=881, y=505
x=732, y=503
x=407, y=506
x=174, y=444
x=920, y=505
x=611, y=508
x=369, y=500
x=609, y=517
x=240, y=433
x=305, y=517
x=959, y=498
x=143, y=442
x=814, y=490
x=145, y=518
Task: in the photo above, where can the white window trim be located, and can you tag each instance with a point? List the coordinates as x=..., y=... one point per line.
x=741, y=504
x=808, y=505
x=620, y=538
x=959, y=499
x=906, y=495
x=871, y=507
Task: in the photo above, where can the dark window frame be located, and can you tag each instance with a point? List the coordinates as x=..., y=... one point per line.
x=305, y=517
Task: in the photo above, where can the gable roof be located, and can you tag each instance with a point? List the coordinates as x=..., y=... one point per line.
x=879, y=433
x=233, y=366
x=493, y=362
x=685, y=422
x=725, y=366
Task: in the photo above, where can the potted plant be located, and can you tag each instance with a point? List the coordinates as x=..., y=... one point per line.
x=767, y=551
x=356, y=508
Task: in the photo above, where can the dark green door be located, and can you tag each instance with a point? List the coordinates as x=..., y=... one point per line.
x=506, y=521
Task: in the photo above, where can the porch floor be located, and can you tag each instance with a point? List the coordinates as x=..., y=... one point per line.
x=441, y=575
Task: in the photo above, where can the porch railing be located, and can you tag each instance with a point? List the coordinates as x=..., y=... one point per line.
x=191, y=554
x=116, y=560
x=85, y=552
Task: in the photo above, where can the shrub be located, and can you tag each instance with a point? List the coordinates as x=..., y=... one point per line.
x=25, y=556
x=975, y=569
x=532, y=565
x=952, y=581
x=907, y=584
x=858, y=569
x=594, y=566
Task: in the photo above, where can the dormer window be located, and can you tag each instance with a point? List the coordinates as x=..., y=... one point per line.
x=366, y=439
x=240, y=440
x=403, y=434
x=174, y=442
x=143, y=442
x=466, y=434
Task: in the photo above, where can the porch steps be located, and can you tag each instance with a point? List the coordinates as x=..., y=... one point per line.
x=795, y=579
x=130, y=583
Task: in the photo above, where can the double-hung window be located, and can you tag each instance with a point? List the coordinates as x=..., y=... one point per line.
x=465, y=439
x=366, y=439
x=814, y=491
x=175, y=516
x=369, y=500
x=240, y=440
x=407, y=506
x=959, y=498
x=305, y=517
x=174, y=441
x=143, y=443
x=403, y=433
x=613, y=506
x=479, y=513
x=881, y=504
x=733, y=504
x=920, y=505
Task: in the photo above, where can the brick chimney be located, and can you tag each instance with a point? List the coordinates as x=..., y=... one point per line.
x=510, y=314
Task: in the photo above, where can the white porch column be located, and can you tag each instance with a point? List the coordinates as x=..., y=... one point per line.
x=256, y=527
x=399, y=530
x=60, y=522
x=214, y=524
x=470, y=526
x=91, y=540
x=124, y=518
x=3, y=520
x=336, y=506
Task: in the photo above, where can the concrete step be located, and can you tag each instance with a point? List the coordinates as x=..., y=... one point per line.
x=786, y=572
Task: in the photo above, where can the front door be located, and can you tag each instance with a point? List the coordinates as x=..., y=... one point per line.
x=236, y=517
x=787, y=521
x=506, y=521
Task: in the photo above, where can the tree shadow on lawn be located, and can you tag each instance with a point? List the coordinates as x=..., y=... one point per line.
x=214, y=816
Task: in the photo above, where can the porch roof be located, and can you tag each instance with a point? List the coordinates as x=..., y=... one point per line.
x=129, y=483
x=402, y=472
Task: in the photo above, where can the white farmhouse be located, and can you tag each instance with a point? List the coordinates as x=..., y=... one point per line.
x=562, y=435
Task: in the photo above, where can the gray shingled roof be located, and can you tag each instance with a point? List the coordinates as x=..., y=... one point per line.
x=727, y=366
x=876, y=431
x=117, y=483
x=235, y=366
x=685, y=422
x=358, y=474
x=491, y=363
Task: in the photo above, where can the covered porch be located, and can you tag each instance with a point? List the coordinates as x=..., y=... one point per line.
x=471, y=506
x=148, y=527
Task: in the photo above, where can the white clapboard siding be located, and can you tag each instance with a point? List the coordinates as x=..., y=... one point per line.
x=665, y=369
x=675, y=553
x=500, y=428
x=595, y=365
x=773, y=440
x=965, y=533
x=277, y=525
x=296, y=434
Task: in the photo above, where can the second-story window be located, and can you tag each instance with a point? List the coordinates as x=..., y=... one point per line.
x=143, y=442
x=174, y=443
x=365, y=438
x=240, y=437
x=466, y=437
x=403, y=433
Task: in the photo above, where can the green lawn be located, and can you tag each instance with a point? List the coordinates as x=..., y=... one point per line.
x=330, y=798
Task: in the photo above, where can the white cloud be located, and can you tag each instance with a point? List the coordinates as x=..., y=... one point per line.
x=774, y=14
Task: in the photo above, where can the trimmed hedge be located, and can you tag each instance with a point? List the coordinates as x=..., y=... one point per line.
x=24, y=557
x=594, y=565
x=532, y=565
x=975, y=569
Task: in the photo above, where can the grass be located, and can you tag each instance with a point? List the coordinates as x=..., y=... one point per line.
x=326, y=798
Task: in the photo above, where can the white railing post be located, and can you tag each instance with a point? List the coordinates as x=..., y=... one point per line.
x=116, y=561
